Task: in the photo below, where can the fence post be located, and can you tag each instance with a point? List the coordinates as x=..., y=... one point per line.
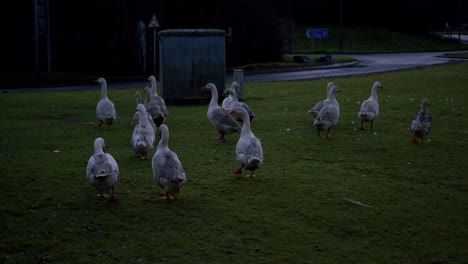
x=239, y=77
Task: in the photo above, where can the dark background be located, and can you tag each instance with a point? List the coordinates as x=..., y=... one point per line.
x=101, y=35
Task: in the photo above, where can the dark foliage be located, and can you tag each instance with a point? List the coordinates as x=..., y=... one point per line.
x=92, y=36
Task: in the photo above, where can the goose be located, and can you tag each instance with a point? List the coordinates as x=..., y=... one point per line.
x=167, y=168
x=105, y=110
x=370, y=107
x=153, y=108
x=316, y=109
x=218, y=116
x=328, y=115
x=136, y=116
x=421, y=125
x=227, y=101
x=249, y=152
x=155, y=97
x=235, y=103
x=143, y=135
x=102, y=170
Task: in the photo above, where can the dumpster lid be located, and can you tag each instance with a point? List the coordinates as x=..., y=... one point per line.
x=192, y=32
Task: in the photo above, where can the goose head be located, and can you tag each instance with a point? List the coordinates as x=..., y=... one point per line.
x=228, y=91
x=209, y=86
x=141, y=108
x=234, y=85
x=151, y=78
x=99, y=145
x=426, y=102
x=100, y=80
x=378, y=85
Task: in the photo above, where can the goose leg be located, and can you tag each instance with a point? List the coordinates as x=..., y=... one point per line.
x=318, y=131
x=113, y=197
x=414, y=140
x=328, y=134
x=221, y=138
x=251, y=175
x=362, y=125
x=238, y=171
x=371, y=124
x=100, y=123
x=167, y=197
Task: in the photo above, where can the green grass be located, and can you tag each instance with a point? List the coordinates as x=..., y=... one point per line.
x=288, y=62
x=369, y=39
x=293, y=212
x=462, y=55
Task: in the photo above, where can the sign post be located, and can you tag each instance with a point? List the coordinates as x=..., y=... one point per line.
x=154, y=24
x=319, y=33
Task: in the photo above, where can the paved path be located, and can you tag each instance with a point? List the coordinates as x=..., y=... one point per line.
x=369, y=63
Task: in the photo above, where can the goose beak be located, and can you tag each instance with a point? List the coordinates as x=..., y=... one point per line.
x=204, y=87
x=233, y=111
x=96, y=81
x=339, y=90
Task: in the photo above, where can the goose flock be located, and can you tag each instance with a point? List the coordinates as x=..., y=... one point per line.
x=232, y=116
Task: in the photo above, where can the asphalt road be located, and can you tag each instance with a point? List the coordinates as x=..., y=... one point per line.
x=368, y=63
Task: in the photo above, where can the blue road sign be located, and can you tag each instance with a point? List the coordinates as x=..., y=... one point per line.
x=317, y=33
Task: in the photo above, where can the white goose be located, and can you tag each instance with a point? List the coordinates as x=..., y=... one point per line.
x=102, y=170
x=370, y=107
x=235, y=103
x=328, y=115
x=105, y=110
x=421, y=125
x=167, y=168
x=153, y=108
x=136, y=116
x=143, y=135
x=220, y=117
x=155, y=97
x=316, y=109
x=249, y=152
x=227, y=101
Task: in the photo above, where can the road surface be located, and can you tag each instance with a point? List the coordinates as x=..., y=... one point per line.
x=368, y=63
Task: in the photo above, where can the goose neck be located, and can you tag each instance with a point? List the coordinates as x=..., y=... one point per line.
x=163, y=142
x=103, y=90
x=246, y=129
x=374, y=92
x=154, y=87
x=214, y=97
x=98, y=147
x=424, y=108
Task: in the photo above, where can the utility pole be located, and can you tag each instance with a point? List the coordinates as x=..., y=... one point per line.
x=341, y=26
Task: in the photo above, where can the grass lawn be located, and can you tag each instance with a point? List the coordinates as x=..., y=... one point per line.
x=458, y=55
x=293, y=212
x=368, y=39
